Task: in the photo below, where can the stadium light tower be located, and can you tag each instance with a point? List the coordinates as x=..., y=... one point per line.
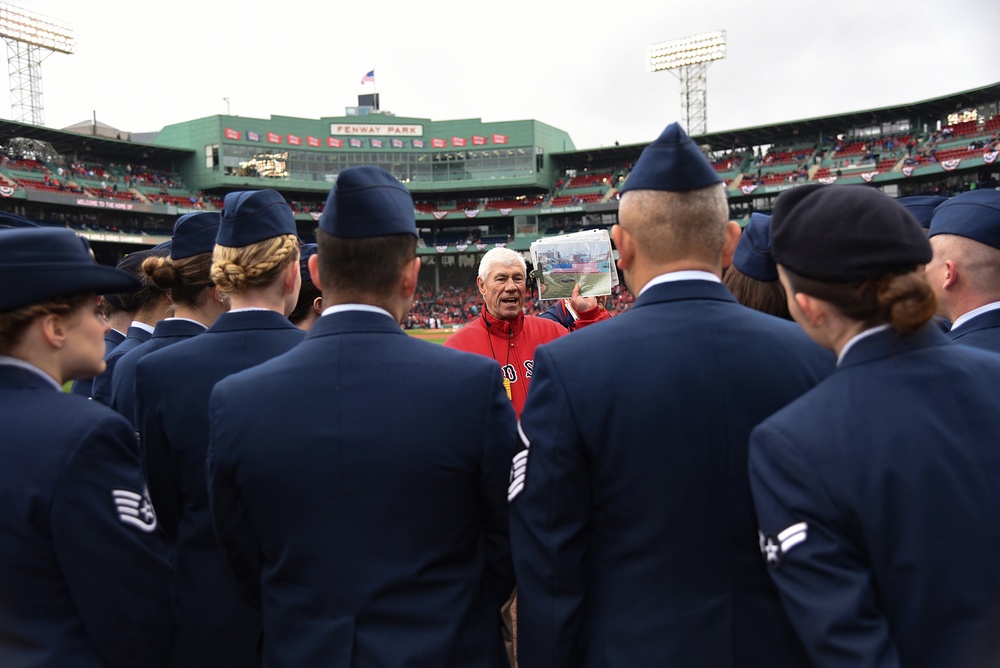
x=688, y=60
x=31, y=38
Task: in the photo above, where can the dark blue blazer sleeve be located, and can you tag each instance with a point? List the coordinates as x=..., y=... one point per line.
x=549, y=520
x=115, y=567
x=823, y=578
x=500, y=445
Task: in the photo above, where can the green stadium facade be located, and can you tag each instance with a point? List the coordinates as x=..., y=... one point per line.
x=475, y=184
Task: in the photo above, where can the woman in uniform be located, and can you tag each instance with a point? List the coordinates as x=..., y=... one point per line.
x=85, y=577
x=877, y=491
x=753, y=276
x=256, y=268
x=197, y=302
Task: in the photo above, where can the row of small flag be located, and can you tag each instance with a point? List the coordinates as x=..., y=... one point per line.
x=373, y=142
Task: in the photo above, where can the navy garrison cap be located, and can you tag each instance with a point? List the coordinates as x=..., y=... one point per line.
x=254, y=215
x=13, y=220
x=38, y=264
x=194, y=234
x=368, y=201
x=922, y=207
x=307, y=251
x=974, y=215
x=845, y=234
x=673, y=163
x=753, y=253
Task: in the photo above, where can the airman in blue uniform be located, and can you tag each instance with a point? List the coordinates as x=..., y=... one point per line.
x=146, y=306
x=85, y=576
x=196, y=301
x=965, y=270
x=358, y=482
x=256, y=268
x=876, y=492
x=632, y=528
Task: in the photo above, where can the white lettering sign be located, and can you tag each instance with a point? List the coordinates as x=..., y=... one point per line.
x=378, y=130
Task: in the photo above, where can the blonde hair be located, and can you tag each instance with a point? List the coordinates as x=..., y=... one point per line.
x=235, y=269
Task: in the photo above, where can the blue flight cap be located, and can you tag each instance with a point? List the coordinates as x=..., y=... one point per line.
x=922, y=207
x=974, y=215
x=673, y=163
x=845, y=234
x=368, y=201
x=194, y=234
x=753, y=252
x=254, y=215
x=307, y=251
x=42, y=263
x=132, y=264
x=13, y=220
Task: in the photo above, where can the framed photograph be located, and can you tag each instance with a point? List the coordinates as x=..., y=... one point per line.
x=583, y=258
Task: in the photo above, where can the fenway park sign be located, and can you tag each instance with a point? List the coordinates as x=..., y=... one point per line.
x=377, y=129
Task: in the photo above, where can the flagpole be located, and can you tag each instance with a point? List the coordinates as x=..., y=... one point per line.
x=375, y=89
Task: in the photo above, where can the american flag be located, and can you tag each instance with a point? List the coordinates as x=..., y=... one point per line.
x=368, y=77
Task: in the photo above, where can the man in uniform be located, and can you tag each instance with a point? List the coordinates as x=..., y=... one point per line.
x=965, y=270
x=632, y=526
x=365, y=537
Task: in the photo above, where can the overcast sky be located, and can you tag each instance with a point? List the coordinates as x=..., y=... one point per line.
x=579, y=66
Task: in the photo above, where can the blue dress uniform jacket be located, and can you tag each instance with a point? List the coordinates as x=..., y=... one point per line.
x=632, y=527
x=85, y=577
x=878, y=500
x=134, y=337
x=983, y=332
x=85, y=388
x=166, y=333
x=358, y=485
x=214, y=626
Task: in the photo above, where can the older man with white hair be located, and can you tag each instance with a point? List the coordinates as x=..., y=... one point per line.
x=503, y=331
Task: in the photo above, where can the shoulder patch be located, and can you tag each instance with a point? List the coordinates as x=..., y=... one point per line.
x=774, y=546
x=135, y=509
x=518, y=468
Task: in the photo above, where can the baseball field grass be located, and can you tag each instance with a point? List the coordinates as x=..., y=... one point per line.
x=432, y=335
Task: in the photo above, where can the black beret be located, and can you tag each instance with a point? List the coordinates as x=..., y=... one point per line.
x=974, y=215
x=753, y=252
x=922, y=207
x=368, y=201
x=254, y=215
x=38, y=264
x=194, y=234
x=845, y=234
x=673, y=163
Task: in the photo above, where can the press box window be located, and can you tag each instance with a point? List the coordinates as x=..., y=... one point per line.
x=212, y=156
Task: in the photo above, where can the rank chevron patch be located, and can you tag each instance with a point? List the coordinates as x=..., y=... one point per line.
x=774, y=547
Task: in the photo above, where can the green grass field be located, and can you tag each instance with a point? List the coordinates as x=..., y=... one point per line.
x=558, y=286
x=432, y=335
